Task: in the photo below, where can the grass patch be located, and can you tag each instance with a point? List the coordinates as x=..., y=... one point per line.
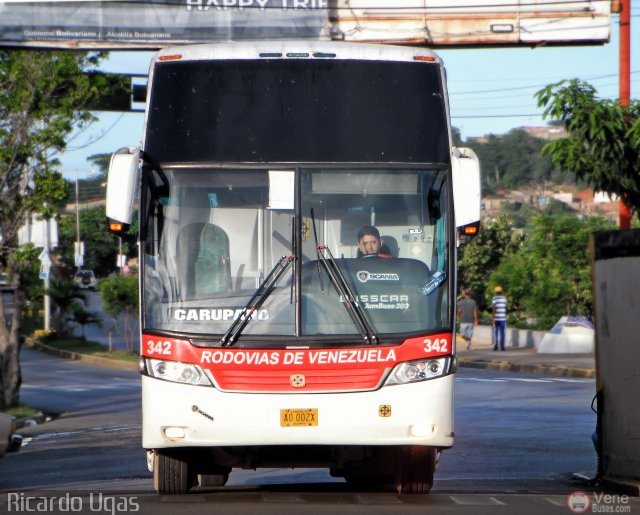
x=21, y=411
x=73, y=344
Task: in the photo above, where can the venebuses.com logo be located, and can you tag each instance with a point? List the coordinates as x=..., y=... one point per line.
x=581, y=502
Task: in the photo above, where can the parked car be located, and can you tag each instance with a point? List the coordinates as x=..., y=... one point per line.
x=9, y=441
x=86, y=279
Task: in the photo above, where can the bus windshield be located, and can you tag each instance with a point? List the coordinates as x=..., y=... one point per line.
x=212, y=236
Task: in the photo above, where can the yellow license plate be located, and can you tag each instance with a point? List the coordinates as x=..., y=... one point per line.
x=298, y=417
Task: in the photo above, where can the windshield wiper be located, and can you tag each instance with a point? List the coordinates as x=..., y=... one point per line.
x=351, y=303
x=341, y=285
x=256, y=301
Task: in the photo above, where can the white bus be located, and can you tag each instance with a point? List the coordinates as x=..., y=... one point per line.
x=268, y=338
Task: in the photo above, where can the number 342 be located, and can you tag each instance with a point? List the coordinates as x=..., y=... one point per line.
x=436, y=345
x=158, y=347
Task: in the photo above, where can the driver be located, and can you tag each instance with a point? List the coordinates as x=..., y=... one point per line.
x=370, y=244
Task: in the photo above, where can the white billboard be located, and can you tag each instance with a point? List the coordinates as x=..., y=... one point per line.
x=122, y=24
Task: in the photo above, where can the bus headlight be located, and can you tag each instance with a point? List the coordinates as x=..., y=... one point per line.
x=177, y=372
x=419, y=370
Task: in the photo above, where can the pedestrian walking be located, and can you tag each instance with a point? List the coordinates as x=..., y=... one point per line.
x=468, y=316
x=499, y=304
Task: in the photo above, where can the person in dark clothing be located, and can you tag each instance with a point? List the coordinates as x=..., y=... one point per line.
x=468, y=316
x=370, y=244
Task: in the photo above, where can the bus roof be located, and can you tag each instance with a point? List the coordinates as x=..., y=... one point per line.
x=296, y=50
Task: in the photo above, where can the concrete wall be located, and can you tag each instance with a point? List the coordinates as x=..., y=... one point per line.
x=616, y=281
x=514, y=338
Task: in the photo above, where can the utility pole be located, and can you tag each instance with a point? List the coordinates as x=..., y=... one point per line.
x=625, y=85
x=79, y=245
x=77, y=224
x=47, y=275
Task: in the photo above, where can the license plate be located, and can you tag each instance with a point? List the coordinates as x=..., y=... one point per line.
x=298, y=417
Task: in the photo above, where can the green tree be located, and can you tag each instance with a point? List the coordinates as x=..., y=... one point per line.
x=603, y=142
x=101, y=246
x=100, y=163
x=83, y=318
x=550, y=275
x=522, y=214
x=64, y=295
x=43, y=97
x=120, y=297
x=512, y=160
x=483, y=254
x=456, y=136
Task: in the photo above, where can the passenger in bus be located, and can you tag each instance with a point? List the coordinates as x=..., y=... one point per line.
x=370, y=244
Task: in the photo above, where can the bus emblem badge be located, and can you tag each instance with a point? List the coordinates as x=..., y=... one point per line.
x=298, y=381
x=384, y=410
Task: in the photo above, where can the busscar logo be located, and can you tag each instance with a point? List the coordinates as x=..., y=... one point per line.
x=365, y=276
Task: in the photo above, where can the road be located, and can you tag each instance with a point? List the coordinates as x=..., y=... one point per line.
x=519, y=439
x=110, y=332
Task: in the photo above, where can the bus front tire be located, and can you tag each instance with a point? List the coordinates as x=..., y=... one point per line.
x=171, y=474
x=415, y=466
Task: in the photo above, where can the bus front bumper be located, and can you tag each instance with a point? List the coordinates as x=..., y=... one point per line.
x=179, y=415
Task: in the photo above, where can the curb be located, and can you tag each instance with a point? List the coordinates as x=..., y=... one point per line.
x=85, y=358
x=629, y=487
x=551, y=370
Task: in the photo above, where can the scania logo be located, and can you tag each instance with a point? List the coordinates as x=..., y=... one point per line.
x=298, y=381
x=364, y=276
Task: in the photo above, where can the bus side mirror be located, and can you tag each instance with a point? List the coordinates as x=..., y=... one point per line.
x=465, y=168
x=122, y=186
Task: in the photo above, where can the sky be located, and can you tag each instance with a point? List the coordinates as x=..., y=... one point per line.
x=490, y=90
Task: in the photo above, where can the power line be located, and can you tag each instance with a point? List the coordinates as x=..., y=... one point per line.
x=99, y=137
x=538, y=115
x=538, y=86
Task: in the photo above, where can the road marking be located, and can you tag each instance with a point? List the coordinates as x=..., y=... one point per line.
x=527, y=380
x=522, y=380
x=66, y=434
x=476, y=500
x=282, y=498
x=481, y=380
x=557, y=501
x=83, y=387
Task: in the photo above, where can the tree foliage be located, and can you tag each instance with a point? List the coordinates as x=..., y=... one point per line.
x=83, y=318
x=64, y=295
x=603, y=142
x=120, y=297
x=43, y=97
x=483, y=254
x=512, y=160
x=100, y=163
x=101, y=246
x=549, y=276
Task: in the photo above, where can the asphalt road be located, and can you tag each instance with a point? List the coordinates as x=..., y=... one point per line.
x=519, y=439
x=112, y=331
